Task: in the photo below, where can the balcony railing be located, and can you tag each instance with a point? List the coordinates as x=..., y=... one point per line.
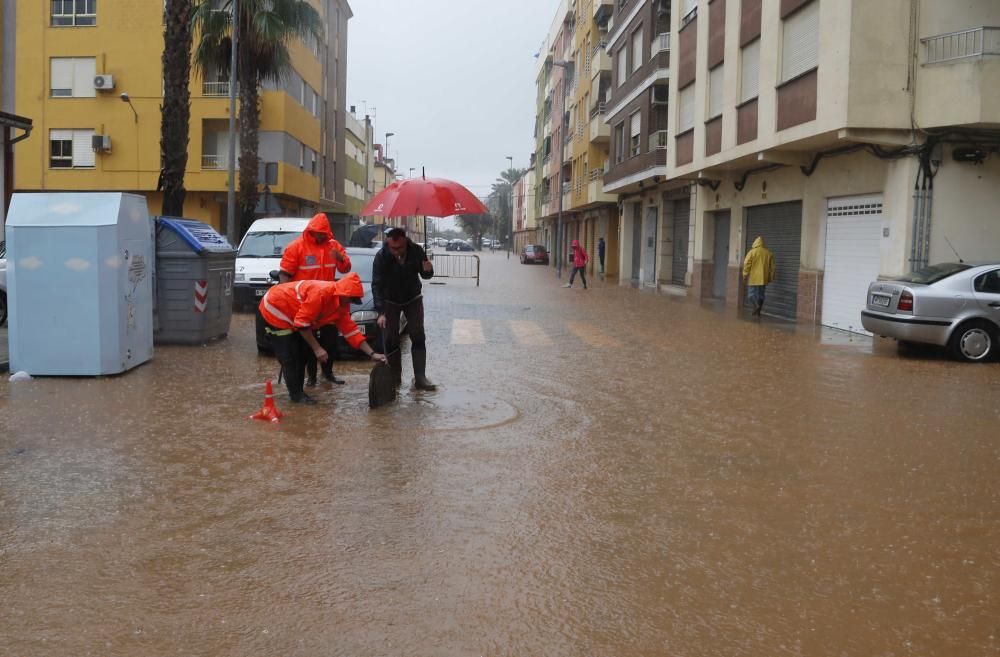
x=598, y=47
x=596, y=174
x=215, y=88
x=660, y=44
x=658, y=140
x=598, y=110
x=965, y=44
x=216, y=162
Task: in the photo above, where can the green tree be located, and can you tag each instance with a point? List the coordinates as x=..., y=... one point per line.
x=500, y=202
x=176, y=109
x=266, y=29
x=474, y=226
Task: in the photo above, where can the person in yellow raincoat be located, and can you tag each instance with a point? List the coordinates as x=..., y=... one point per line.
x=758, y=270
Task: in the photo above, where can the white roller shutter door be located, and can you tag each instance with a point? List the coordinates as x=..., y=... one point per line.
x=853, y=238
x=800, y=42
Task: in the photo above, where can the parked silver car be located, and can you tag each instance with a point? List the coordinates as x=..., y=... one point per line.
x=953, y=304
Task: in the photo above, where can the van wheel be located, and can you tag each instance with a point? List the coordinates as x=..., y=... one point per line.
x=974, y=341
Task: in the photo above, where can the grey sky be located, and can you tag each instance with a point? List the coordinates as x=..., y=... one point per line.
x=453, y=79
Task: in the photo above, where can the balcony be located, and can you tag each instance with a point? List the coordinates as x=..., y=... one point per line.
x=661, y=44
x=600, y=132
x=215, y=89
x=216, y=162
x=966, y=44
x=595, y=189
x=631, y=170
x=603, y=10
x=600, y=63
x=658, y=140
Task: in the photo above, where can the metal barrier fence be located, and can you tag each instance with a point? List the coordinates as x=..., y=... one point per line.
x=454, y=265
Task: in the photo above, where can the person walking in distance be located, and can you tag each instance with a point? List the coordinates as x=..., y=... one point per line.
x=316, y=256
x=580, y=259
x=396, y=273
x=601, y=246
x=758, y=271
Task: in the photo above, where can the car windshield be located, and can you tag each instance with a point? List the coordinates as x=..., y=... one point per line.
x=933, y=273
x=539, y=248
x=362, y=264
x=265, y=245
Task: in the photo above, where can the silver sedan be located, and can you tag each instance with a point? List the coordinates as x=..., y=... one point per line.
x=956, y=305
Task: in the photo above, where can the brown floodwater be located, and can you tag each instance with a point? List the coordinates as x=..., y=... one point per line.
x=603, y=472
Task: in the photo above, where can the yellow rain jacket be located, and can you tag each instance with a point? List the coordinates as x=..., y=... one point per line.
x=758, y=266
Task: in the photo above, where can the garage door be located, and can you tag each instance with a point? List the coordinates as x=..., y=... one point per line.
x=781, y=227
x=853, y=236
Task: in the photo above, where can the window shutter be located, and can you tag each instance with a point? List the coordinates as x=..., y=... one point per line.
x=622, y=65
x=716, y=80
x=84, y=71
x=83, y=148
x=685, y=117
x=800, y=42
x=750, y=74
x=637, y=50
x=636, y=124
x=61, y=76
x=60, y=135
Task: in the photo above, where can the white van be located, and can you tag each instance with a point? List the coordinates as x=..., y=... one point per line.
x=260, y=253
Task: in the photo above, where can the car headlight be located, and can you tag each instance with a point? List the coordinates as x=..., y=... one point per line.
x=240, y=278
x=364, y=316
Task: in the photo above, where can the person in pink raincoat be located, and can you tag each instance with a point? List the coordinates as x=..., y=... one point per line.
x=580, y=260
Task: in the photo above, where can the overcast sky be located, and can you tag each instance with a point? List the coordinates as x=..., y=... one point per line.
x=453, y=79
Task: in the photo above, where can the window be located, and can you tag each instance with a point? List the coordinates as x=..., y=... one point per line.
x=989, y=283
x=688, y=7
x=750, y=73
x=800, y=42
x=72, y=77
x=302, y=156
x=685, y=115
x=635, y=133
x=622, y=65
x=619, y=143
x=716, y=90
x=637, y=50
x=74, y=12
x=71, y=149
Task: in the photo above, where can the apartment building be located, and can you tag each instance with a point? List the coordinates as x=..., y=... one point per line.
x=572, y=136
x=359, y=163
x=525, y=221
x=74, y=60
x=860, y=139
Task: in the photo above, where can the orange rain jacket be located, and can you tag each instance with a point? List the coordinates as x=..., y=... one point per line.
x=305, y=260
x=302, y=305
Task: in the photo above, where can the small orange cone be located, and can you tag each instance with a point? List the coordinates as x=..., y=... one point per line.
x=269, y=410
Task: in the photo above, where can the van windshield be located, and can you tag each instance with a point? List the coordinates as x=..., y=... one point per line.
x=265, y=245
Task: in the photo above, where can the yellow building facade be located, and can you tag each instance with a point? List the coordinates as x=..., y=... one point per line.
x=74, y=62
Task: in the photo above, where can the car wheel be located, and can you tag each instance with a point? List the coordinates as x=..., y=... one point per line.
x=3, y=308
x=974, y=341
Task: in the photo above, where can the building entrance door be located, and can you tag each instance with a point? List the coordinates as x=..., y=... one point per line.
x=720, y=255
x=636, y=240
x=649, y=247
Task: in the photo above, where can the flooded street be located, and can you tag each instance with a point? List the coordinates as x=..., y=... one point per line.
x=601, y=472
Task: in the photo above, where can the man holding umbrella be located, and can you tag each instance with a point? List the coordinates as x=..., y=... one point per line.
x=396, y=288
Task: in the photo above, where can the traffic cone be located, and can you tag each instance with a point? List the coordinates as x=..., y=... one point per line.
x=269, y=411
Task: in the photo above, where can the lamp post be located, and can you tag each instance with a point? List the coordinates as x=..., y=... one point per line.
x=565, y=66
x=126, y=99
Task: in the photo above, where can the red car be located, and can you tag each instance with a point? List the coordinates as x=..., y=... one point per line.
x=534, y=253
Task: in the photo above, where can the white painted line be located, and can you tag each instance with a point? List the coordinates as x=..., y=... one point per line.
x=467, y=331
x=592, y=335
x=529, y=334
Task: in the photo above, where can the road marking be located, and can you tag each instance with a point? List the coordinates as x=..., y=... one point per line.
x=467, y=331
x=529, y=334
x=592, y=335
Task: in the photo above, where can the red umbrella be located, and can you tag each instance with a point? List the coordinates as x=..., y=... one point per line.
x=434, y=197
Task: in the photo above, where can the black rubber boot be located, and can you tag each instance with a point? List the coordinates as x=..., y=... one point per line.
x=396, y=367
x=420, y=379
x=328, y=375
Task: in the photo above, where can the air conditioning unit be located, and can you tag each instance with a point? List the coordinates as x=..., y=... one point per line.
x=101, y=143
x=661, y=95
x=104, y=82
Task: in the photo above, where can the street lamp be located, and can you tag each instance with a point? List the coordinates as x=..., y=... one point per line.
x=565, y=66
x=231, y=164
x=385, y=165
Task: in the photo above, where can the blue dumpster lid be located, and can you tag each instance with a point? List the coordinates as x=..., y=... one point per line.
x=199, y=236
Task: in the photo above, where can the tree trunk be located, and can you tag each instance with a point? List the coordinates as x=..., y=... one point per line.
x=249, y=140
x=176, y=109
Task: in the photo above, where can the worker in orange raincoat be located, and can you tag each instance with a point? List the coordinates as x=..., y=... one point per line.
x=316, y=256
x=293, y=311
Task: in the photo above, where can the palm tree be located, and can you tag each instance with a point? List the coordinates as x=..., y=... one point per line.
x=500, y=202
x=176, y=110
x=266, y=28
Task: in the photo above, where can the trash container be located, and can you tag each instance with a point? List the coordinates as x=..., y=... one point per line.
x=79, y=274
x=194, y=282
